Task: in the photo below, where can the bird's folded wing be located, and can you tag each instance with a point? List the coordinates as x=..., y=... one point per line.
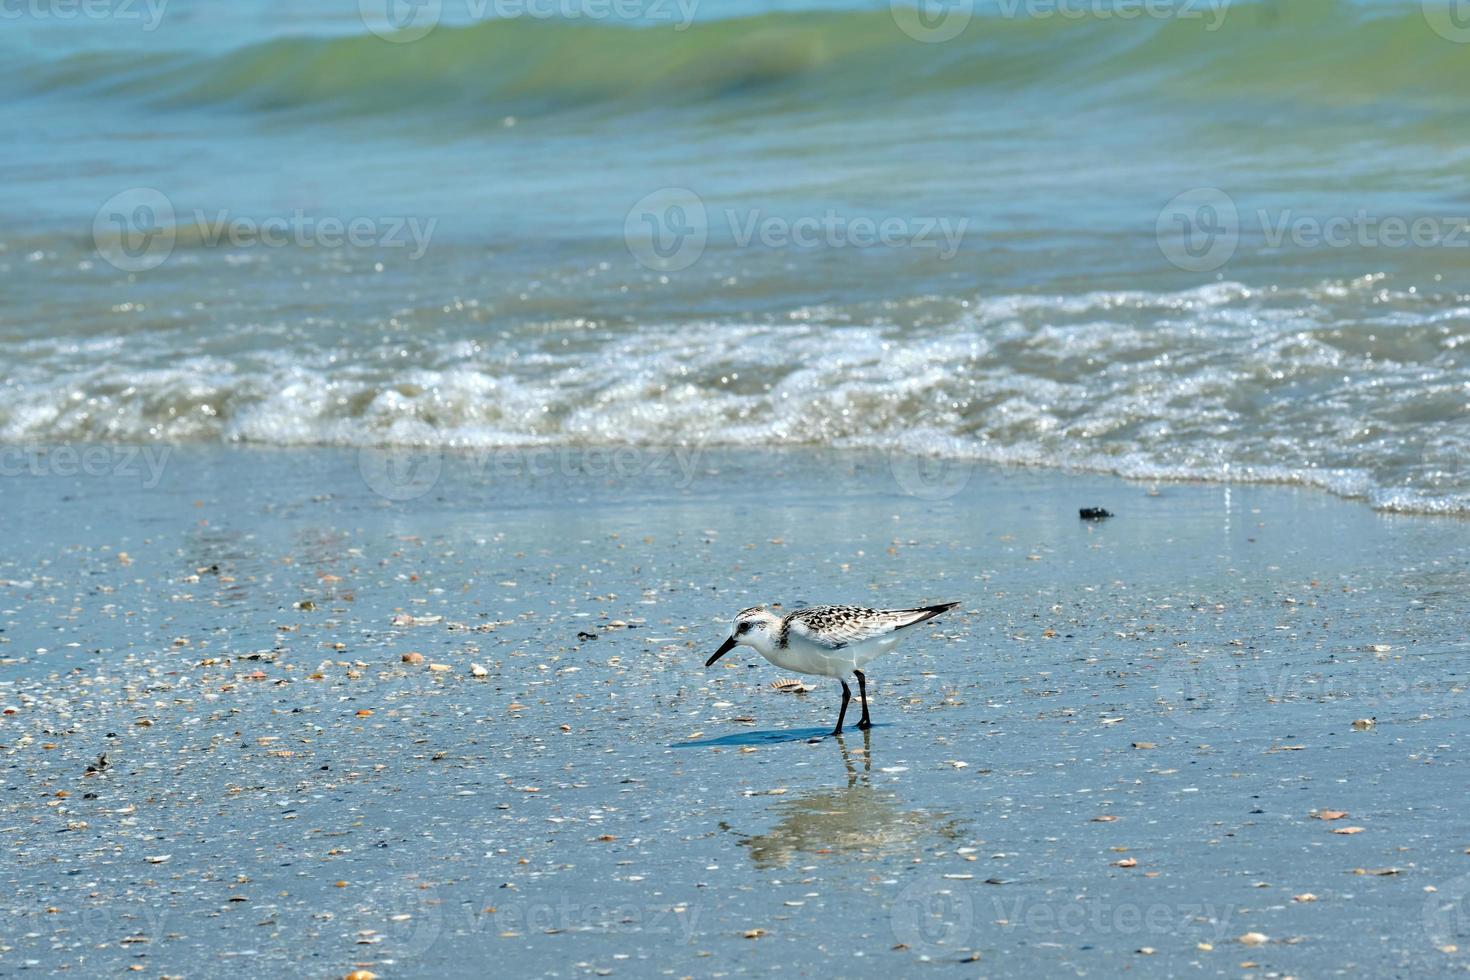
x=835, y=627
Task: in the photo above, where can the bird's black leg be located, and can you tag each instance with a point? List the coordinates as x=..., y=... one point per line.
x=846, y=697
x=864, y=723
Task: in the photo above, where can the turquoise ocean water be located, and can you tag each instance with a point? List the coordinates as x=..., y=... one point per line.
x=1199, y=239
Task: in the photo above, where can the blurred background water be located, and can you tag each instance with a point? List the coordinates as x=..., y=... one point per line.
x=1194, y=239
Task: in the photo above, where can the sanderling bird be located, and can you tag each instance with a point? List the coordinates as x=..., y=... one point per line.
x=831, y=641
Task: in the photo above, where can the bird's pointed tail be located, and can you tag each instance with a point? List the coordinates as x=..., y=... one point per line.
x=925, y=613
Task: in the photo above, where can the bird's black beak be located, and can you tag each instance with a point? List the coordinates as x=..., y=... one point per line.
x=725, y=648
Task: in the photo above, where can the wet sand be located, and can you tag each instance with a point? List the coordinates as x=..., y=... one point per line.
x=1119, y=754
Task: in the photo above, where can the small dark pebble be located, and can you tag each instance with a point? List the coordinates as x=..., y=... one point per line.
x=1094, y=514
x=586, y=636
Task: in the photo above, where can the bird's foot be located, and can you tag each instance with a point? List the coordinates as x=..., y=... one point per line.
x=837, y=730
x=865, y=724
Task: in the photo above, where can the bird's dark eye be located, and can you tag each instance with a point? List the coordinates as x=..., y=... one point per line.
x=743, y=628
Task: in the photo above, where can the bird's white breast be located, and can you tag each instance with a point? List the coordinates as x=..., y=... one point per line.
x=805, y=657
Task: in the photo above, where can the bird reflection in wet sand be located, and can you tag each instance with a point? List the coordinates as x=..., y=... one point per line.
x=854, y=821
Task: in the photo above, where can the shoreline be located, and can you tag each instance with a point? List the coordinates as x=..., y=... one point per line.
x=92, y=458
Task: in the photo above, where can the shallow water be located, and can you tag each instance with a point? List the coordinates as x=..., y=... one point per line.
x=1191, y=667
